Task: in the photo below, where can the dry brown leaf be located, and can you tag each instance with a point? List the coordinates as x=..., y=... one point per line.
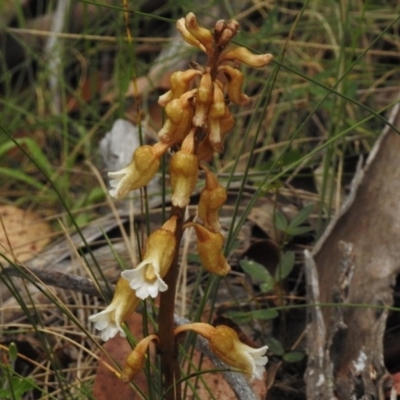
x=23, y=234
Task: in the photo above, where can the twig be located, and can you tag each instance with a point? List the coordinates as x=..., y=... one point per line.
x=58, y=279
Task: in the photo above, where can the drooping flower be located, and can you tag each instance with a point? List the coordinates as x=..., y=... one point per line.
x=135, y=360
x=212, y=198
x=209, y=246
x=226, y=345
x=235, y=84
x=146, y=278
x=183, y=169
x=241, y=54
x=123, y=304
x=203, y=35
x=179, y=119
x=204, y=97
x=144, y=165
x=217, y=110
x=187, y=36
x=180, y=83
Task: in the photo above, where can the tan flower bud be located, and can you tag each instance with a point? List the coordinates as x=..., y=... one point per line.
x=180, y=84
x=187, y=36
x=230, y=30
x=209, y=247
x=219, y=26
x=243, y=55
x=183, y=169
x=203, y=35
x=212, y=198
x=204, y=98
x=235, y=84
x=144, y=165
x=179, y=119
x=135, y=360
x=233, y=25
x=218, y=105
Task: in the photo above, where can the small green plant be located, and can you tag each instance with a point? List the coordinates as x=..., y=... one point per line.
x=12, y=385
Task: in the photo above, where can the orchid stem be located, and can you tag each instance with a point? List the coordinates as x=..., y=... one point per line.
x=168, y=350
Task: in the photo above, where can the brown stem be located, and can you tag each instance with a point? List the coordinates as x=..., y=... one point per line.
x=169, y=353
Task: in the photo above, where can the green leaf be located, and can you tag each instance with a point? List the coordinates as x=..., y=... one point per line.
x=257, y=271
x=25, y=385
x=5, y=394
x=266, y=287
x=293, y=356
x=298, y=230
x=280, y=221
x=301, y=216
x=21, y=176
x=34, y=151
x=239, y=316
x=285, y=266
x=265, y=314
x=275, y=346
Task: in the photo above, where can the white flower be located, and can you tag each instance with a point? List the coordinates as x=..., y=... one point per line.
x=121, y=307
x=256, y=358
x=105, y=322
x=146, y=278
x=142, y=283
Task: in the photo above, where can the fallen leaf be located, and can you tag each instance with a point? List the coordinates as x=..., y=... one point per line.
x=23, y=234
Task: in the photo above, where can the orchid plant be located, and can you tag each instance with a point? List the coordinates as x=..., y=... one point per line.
x=198, y=118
